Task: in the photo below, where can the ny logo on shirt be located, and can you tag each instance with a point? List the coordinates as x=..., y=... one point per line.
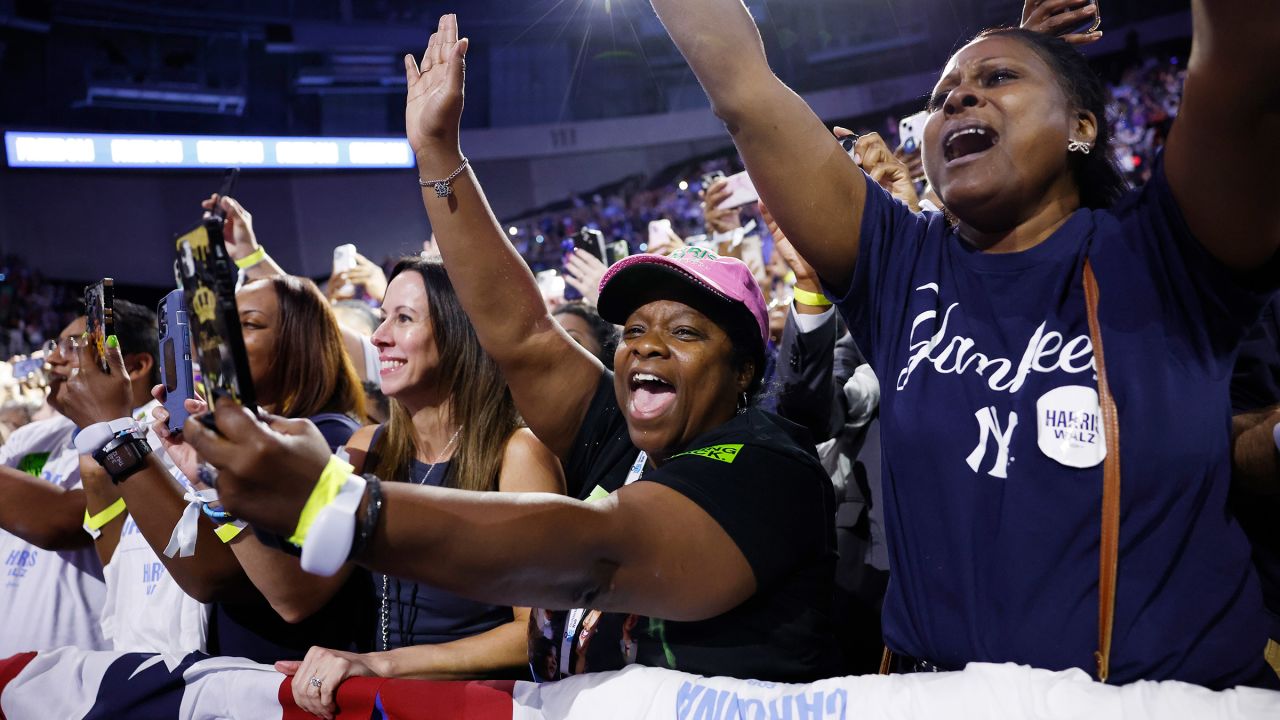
x=989, y=428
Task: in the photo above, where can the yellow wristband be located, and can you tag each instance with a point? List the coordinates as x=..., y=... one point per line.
x=227, y=533
x=93, y=524
x=331, y=480
x=812, y=299
x=252, y=258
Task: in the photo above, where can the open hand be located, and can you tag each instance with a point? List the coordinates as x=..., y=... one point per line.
x=1058, y=17
x=433, y=108
x=583, y=271
x=266, y=468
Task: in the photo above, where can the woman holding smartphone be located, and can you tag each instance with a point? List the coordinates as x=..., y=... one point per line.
x=289, y=332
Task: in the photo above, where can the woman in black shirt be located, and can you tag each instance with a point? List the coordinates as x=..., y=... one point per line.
x=703, y=540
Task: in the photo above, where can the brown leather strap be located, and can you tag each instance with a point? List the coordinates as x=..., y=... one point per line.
x=886, y=661
x=1109, y=546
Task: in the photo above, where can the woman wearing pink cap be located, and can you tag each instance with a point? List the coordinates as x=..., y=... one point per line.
x=702, y=539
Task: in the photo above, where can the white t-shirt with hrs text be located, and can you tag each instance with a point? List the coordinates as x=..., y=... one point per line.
x=48, y=598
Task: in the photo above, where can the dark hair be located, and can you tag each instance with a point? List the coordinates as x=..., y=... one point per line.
x=607, y=335
x=1097, y=176
x=311, y=373
x=138, y=332
x=480, y=400
x=745, y=336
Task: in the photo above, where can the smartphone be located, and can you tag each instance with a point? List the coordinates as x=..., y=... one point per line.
x=709, y=179
x=617, y=250
x=850, y=145
x=31, y=369
x=592, y=241
x=551, y=285
x=1090, y=25
x=98, y=299
x=208, y=284
x=741, y=191
x=658, y=233
x=911, y=131
x=344, y=258
x=176, y=371
x=228, y=185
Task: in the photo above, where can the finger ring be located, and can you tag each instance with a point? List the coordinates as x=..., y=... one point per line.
x=315, y=682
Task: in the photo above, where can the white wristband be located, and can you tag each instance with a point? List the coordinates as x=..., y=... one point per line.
x=182, y=541
x=330, y=537
x=92, y=439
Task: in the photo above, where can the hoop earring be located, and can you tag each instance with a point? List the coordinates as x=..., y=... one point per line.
x=1079, y=146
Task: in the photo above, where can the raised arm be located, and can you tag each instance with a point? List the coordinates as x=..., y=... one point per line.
x=1225, y=145
x=813, y=189
x=552, y=379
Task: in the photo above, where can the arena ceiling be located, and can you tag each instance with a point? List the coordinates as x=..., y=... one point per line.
x=333, y=67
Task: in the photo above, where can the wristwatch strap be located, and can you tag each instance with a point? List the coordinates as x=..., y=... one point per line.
x=141, y=448
x=93, y=438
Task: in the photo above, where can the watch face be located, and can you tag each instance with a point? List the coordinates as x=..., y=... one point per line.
x=121, y=459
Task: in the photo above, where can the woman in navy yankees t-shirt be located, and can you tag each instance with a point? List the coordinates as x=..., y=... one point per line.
x=976, y=325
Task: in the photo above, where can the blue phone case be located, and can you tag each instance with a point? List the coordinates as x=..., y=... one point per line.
x=175, y=357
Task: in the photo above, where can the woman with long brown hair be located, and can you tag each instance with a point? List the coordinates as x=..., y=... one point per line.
x=298, y=366
x=453, y=424
x=288, y=331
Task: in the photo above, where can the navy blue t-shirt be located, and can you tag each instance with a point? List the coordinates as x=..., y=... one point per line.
x=993, y=447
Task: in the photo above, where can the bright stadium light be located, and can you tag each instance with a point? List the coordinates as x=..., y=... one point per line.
x=101, y=150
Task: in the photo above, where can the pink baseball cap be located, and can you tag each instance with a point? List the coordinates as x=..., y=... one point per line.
x=632, y=281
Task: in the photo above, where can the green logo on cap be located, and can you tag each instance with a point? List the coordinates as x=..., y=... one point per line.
x=694, y=252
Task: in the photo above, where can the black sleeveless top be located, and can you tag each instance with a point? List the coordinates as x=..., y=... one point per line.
x=413, y=613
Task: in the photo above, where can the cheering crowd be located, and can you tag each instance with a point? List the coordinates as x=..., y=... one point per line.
x=1037, y=425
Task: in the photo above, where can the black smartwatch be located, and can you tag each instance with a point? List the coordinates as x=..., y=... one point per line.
x=125, y=455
